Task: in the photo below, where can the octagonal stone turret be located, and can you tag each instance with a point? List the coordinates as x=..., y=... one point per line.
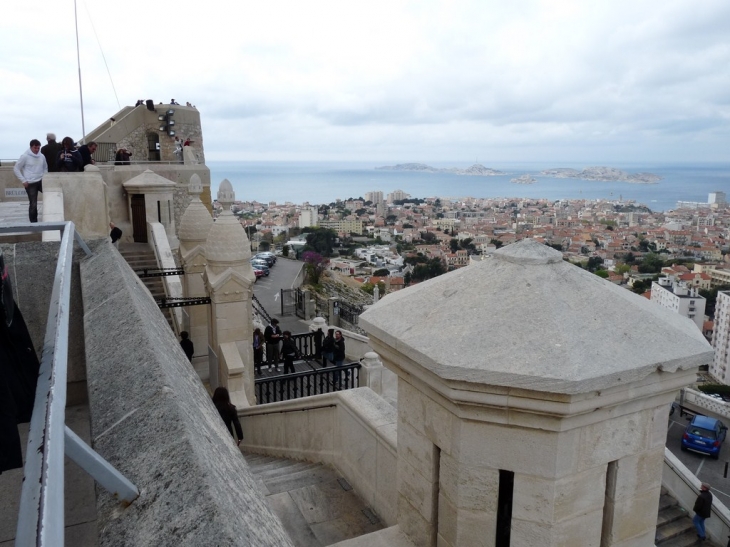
x=532, y=402
x=526, y=318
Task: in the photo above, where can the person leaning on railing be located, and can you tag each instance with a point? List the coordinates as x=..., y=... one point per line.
x=289, y=351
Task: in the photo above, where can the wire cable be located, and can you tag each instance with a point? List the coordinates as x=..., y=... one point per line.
x=88, y=13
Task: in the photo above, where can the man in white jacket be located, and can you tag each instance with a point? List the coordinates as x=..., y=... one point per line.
x=30, y=169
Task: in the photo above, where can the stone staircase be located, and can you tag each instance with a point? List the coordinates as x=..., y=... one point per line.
x=140, y=256
x=316, y=506
x=674, y=526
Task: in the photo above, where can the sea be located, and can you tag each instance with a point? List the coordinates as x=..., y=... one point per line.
x=326, y=182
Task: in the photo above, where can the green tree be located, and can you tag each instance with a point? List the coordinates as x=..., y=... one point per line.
x=407, y=278
x=454, y=244
x=601, y=273
x=382, y=272
x=593, y=263
x=652, y=263
x=321, y=240
x=314, y=264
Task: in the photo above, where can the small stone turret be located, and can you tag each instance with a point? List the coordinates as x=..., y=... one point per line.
x=195, y=225
x=532, y=402
x=229, y=280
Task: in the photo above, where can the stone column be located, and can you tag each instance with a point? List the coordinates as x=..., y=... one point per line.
x=524, y=416
x=371, y=372
x=195, y=225
x=229, y=280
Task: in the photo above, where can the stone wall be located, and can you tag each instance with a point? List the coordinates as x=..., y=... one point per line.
x=153, y=420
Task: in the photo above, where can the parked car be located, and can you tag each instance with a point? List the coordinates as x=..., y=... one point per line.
x=269, y=260
x=263, y=267
x=704, y=435
x=269, y=257
x=258, y=273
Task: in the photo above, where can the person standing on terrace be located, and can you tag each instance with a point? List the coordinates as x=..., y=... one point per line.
x=51, y=151
x=69, y=160
x=30, y=169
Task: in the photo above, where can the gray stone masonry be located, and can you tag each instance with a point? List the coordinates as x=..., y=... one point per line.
x=527, y=319
x=152, y=419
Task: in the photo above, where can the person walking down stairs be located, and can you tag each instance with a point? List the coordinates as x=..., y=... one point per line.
x=702, y=510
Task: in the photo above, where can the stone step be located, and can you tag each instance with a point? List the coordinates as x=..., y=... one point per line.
x=316, y=506
x=674, y=529
x=665, y=500
x=670, y=514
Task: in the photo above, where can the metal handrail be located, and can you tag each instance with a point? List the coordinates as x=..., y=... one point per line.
x=41, y=515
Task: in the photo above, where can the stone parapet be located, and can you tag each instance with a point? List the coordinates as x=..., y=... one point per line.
x=153, y=420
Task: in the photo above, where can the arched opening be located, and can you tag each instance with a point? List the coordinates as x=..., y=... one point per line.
x=153, y=146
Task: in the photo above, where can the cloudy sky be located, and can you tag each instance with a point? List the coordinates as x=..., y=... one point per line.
x=558, y=80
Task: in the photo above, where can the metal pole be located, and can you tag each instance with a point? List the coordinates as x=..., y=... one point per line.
x=100, y=469
x=41, y=515
x=78, y=62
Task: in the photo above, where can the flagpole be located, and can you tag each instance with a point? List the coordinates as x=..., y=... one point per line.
x=78, y=62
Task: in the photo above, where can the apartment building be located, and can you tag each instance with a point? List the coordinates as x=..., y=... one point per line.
x=679, y=298
x=721, y=338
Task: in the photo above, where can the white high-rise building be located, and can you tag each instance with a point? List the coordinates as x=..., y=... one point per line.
x=676, y=296
x=397, y=195
x=375, y=197
x=720, y=367
x=308, y=216
x=716, y=197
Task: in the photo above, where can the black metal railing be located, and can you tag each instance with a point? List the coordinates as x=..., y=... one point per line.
x=258, y=307
x=350, y=312
x=306, y=345
x=305, y=384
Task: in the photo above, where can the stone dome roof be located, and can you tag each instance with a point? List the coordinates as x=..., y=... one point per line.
x=227, y=241
x=527, y=318
x=196, y=221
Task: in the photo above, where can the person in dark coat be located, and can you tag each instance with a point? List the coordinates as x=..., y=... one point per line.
x=69, y=160
x=258, y=349
x=51, y=152
x=339, y=351
x=229, y=415
x=328, y=347
x=702, y=510
x=18, y=374
x=187, y=345
x=272, y=335
x=87, y=151
x=289, y=351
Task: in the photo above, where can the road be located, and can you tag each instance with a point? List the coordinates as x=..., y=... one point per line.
x=267, y=290
x=704, y=467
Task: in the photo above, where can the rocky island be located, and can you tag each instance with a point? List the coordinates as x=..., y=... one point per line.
x=602, y=174
x=523, y=179
x=477, y=169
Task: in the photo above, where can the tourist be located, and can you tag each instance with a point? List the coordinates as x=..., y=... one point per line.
x=86, y=151
x=187, y=142
x=702, y=510
x=173, y=102
x=122, y=157
x=272, y=335
x=18, y=373
x=339, y=357
x=115, y=234
x=187, y=345
x=328, y=347
x=229, y=415
x=258, y=349
x=51, y=151
x=178, y=149
x=318, y=336
x=339, y=350
x=30, y=169
x=289, y=351
x=69, y=160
